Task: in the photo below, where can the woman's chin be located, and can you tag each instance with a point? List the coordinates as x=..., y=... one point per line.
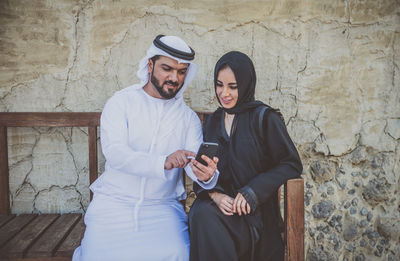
x=228, y=106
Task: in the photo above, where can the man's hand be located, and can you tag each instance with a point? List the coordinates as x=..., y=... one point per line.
x=223, y=201
x=240, y=205
x=178, y=159
x=204, y=173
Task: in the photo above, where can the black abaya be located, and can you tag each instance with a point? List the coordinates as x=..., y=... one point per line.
x=255, y=164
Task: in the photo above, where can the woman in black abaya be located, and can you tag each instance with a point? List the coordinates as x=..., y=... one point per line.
x=239, y=219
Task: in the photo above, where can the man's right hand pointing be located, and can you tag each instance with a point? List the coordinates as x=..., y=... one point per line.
x=178, y=159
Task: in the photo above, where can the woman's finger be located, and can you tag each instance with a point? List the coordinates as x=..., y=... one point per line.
x=209, y=161
x=238, y=207
x=227, y=206
x=221, y=207
x=215, y=159
x=205, y=172
x=237, y=203
x=228, y=210
x=234, y=205
x=243, y=207
x=230, y=200
x=200, y=166
x=226, y=213
x=196, y=170
x=248, y=208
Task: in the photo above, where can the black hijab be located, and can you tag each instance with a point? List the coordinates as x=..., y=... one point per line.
x=245, y=75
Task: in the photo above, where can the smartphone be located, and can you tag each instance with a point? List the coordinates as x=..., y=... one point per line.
x=207, y=148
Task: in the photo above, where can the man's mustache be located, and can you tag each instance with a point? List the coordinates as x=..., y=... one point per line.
x=175, y=84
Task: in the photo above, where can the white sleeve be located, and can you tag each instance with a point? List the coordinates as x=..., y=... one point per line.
x=194, y=138
x=114, y=141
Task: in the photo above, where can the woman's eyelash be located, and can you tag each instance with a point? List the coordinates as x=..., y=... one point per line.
x=230, y=86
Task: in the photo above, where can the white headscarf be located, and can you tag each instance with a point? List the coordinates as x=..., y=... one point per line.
x=176, y=43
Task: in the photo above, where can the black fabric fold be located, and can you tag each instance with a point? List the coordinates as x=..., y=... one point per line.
x=250, y=197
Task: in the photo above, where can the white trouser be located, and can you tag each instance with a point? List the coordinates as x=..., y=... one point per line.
x=112, y=233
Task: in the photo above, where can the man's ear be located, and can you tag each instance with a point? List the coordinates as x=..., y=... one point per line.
x=150, y=66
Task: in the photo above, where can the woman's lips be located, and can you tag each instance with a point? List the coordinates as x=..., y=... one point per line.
x=226, y=101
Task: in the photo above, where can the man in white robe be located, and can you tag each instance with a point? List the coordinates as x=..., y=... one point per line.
x=148, y=134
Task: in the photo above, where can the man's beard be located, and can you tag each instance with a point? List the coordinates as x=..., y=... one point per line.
x=169, y=94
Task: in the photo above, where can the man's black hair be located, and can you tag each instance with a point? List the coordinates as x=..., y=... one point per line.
x=155, y=58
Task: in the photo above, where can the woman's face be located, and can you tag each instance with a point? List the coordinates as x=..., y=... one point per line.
x=227, y=88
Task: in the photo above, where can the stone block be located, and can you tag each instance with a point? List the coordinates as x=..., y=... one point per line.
x=322, y=170
x=376, y=191
x=389, y=227
x=323, y=209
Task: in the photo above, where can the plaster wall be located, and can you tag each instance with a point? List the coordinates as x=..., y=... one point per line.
x=331, y=66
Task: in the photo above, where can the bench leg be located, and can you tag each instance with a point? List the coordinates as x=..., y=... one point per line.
x=294, y=220
x=4, y=185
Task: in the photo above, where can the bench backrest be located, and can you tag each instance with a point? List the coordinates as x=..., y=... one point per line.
x=91, y=120
x=293, y=189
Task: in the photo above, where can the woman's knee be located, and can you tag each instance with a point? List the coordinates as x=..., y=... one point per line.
x=202, y=210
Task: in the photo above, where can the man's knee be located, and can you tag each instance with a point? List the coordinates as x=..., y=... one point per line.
x=174, y=250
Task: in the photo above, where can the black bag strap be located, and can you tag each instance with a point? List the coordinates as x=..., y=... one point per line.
x=261, y=111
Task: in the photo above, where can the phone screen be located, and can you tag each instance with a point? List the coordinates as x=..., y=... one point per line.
x=207, y=148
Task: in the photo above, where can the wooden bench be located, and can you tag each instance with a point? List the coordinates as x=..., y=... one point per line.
x=54, y=236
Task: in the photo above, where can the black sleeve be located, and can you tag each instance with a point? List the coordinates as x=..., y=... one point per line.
x=286, y=160
x=203, y=193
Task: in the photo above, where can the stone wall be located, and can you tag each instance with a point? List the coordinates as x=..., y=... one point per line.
x=331, y=66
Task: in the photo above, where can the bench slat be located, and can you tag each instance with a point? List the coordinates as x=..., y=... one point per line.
x=37, y=259
x=46, y=245
x=49, y=119
x=72, y=241
x=18, y=245
x=5, y=218
x=13, y=227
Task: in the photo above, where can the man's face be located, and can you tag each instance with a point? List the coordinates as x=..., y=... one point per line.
x=167, y=76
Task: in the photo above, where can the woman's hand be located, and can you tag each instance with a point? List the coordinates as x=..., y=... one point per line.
x=202, y=172
x=240, y=205
x=223, y=201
